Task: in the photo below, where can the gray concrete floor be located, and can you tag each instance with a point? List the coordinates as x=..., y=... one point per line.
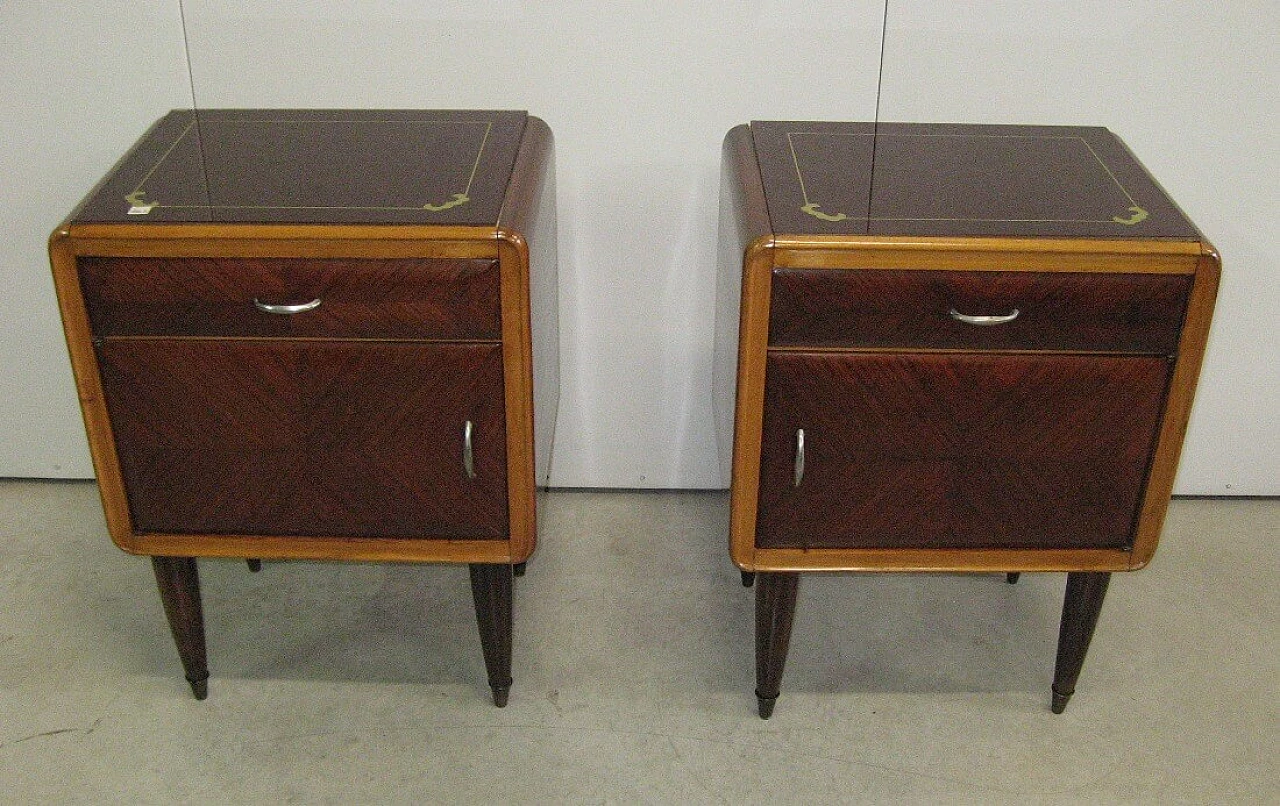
x=633, y=674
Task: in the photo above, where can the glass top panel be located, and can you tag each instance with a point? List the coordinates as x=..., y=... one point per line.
x=314, y=166
x=955, y=179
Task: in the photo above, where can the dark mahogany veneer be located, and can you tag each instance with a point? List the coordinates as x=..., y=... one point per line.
x=314, y=334
x=947, y=347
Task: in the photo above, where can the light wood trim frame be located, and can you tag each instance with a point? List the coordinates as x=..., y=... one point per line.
x=517, y=371
x=1182, y=389
x=940, y=560
x=753, y=338
x=253, y=241
x=963, y=254
x=93, y=406
x=988, y=254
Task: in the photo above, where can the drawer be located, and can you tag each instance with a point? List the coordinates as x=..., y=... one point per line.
x=444, y=299
x=1124, y=313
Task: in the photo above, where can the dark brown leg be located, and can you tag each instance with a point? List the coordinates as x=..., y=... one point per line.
x=491, y=589
x=1012, y=579
x=179, y=583
x=254, y=565
x=775, y=609
x=518, y=569
x=1080, y=609
x=748, y=579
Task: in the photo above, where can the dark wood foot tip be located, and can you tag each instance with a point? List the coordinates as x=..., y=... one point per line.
x=1059, y=702
x=500, y=695
x=766, y=705
x=200, y=688
x=1012, y=579
x=518, y=569
x=748, y=579
x=254, y=565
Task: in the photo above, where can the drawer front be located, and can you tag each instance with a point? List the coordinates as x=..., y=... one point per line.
x=391, y=299
x=1126, y=313
x=959, y=451
x=312, y=438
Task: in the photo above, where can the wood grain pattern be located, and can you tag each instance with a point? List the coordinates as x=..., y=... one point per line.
x=986, y=254
x=1129, y=313
x=304, y=438
x=84, y=367
x=948, y=560
x=178, y=579
x=952, y=451
x=416, y=299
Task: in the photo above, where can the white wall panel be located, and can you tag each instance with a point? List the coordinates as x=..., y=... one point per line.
x=639, y=95
x=1192, y=88
x=81, y=81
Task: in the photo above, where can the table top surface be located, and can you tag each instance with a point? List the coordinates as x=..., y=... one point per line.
x=905, y=179
x=314, y=166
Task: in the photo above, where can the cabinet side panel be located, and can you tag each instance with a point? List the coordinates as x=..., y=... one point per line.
x=530, y=326
x=744, y=217
x=544, y=304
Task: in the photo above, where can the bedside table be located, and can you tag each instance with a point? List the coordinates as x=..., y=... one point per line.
x=950, y=348
x=304, y=334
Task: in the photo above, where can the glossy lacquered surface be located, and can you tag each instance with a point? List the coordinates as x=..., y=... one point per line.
x=959, y=179
x=956, y=451
x=276, y=437
x=959, y=348
x=320, y=166
x=1093, y=311
x=308, y=335
x=407, y=299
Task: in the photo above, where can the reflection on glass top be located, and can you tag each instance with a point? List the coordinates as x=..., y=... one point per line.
x=317, y=166
x=951, y=179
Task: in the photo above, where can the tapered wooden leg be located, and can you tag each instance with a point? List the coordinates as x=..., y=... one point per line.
x=748, y=578
x=179, y=583
x=491, y=589
x=254, y=565
x=775, y=610
x=1080, y=609
x=1012, y=578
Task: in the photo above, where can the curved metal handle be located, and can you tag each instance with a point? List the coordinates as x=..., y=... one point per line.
x=302, y=307
x=468, y=456
x=984, y=320
x=799, y=471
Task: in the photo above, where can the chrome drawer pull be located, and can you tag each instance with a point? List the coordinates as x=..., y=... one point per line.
x=984, y=320
x=302, y=307
x=799, y=473
x=468, y=457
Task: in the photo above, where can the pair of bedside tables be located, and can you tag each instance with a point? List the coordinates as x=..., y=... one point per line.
x=333, y=335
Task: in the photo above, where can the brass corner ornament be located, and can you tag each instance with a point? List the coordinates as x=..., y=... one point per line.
x=138, y=205
x=812, y=209
x=1139, y=215
x=459, y=199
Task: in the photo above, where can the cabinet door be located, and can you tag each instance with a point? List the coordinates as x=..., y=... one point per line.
x=956, y=450
x=342, y=438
